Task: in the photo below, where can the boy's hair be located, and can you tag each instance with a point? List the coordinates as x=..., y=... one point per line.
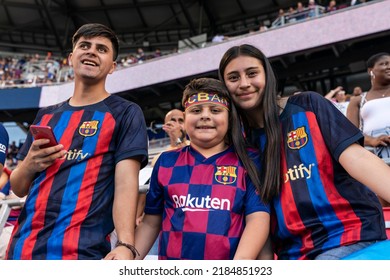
x=91, y=30
x=234, y=134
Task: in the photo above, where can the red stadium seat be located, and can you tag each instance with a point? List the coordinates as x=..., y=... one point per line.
x=386, y=213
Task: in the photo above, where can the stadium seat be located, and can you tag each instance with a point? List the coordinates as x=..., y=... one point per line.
x=386, y=214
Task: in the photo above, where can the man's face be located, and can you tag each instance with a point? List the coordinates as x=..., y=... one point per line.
x=175, y=116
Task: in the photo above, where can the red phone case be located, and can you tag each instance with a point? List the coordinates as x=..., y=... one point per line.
x=43, y=132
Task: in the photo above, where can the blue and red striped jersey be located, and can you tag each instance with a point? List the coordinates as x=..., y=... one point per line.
x=203, y=203
x=320, y=206
x=68, y=212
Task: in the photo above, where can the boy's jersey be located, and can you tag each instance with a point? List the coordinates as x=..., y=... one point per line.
x=203, y=202
x=320, y=205
x=68, y=212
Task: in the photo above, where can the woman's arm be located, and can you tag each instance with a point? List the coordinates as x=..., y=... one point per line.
x=146, y=233
x=368, y=169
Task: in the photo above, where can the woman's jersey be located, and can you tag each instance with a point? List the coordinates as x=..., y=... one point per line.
x=203, y=203
x=320, y=206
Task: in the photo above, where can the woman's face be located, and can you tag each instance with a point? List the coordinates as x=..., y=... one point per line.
x=245, y=79
x=381, y=69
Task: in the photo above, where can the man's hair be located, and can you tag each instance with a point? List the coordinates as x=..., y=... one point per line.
x=91, y=30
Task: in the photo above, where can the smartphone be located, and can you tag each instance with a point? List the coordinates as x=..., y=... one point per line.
x=43, y=132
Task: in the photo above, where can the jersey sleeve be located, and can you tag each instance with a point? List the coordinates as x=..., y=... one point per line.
x=338, y=132
x=4, y=140
x=132, y=137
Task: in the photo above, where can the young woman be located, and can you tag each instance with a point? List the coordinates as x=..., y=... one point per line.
x=314, y=170
x=201, y=195
x=370, y=110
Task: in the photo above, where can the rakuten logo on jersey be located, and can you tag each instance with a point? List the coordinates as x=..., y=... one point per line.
x=196, y=203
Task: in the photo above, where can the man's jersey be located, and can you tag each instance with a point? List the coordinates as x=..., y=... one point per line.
x=68, y=211
x=203, y=203
x=4, y=139
x=320, y=206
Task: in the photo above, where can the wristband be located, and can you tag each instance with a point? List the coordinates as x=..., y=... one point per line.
x=178, y=142
x=128, y=246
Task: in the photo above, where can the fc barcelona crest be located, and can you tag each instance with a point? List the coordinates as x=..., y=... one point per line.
x=226, y=174
x=296, y=139
x=88, y=128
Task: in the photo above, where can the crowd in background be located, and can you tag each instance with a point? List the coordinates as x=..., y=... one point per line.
x=26, y=70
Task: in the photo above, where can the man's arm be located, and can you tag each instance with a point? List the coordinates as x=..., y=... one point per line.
x=125, y=207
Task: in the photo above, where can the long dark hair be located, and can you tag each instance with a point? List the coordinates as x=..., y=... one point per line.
x=234, y=134
x=270, y=175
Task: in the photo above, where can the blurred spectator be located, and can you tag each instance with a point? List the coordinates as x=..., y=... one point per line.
x=331, y=7
x=140, y=55
x=370, y=111
x=357, y=91
x=339, y=99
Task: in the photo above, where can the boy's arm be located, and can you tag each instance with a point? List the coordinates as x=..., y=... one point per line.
x=254, y=236
x=146, y=233
x=125, y=207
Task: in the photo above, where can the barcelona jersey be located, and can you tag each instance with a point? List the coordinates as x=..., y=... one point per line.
x=68, y=211
x=203, y=203
x=320, y=206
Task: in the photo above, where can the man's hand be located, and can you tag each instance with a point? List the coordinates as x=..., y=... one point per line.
x=173, y=129
x=38, y=159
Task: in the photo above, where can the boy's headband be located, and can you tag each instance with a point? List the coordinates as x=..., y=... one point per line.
x=204, y=97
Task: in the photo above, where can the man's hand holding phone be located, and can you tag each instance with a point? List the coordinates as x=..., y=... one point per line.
x=43, y=154
x=44, y=132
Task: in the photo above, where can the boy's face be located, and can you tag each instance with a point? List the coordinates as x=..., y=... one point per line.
x=92, y=58
x=206, y=125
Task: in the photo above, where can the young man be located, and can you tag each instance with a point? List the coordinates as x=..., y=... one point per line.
x=82, y=188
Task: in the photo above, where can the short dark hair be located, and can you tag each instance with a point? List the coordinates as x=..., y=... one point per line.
x=91, y=30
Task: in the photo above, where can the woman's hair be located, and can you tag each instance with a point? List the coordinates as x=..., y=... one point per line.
x=234, y=134
x=374, y=59
x=270, y=175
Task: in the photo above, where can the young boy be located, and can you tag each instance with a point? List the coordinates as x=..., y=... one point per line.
x=201, y=196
